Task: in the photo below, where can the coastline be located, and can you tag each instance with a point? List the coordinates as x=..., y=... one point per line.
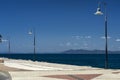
x=29, y=70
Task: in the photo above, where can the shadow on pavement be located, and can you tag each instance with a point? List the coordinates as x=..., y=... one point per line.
x=4, y=75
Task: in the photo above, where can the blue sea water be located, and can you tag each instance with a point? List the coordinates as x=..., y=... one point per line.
x=94, y=60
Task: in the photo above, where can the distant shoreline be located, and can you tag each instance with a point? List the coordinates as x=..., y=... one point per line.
x=83, y=51
x=70, y=51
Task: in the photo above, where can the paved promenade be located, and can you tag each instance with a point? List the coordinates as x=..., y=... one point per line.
x=28, y=70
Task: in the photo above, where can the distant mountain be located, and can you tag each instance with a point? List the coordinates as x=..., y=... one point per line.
x=82, y=51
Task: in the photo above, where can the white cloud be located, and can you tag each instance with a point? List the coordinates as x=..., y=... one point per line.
x=81, y=37
x=77, y=37
x=118, y=40
x=3, y=40
x=103, y=37
x=88, y=37
x=68, y=44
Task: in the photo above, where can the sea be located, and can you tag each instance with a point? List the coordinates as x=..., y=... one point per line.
x=93, y=60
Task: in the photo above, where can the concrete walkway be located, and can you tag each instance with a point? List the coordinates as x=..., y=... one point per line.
x=51, y=71
x=63, y=75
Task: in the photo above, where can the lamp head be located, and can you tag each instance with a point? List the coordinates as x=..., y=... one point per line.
x=98, y=12
x=30, y=32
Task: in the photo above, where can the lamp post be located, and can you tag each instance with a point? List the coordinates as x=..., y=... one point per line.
x=0, y=38
x=106, y=36
x=32, y=32
x=9, y=46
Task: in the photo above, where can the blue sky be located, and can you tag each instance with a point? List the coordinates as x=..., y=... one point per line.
x=60, y=25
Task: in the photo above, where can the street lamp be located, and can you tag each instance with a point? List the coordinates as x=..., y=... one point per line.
x=106, y=39
x=0, y=38
x=32, y=32
x=9, y=46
